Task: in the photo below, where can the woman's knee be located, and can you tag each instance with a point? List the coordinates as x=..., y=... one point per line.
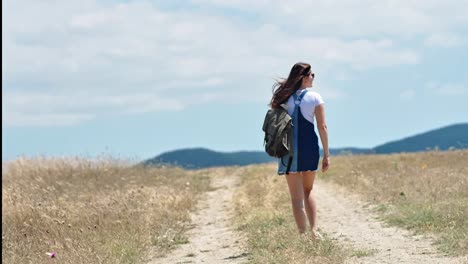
x=297, y=203
x=308, y=190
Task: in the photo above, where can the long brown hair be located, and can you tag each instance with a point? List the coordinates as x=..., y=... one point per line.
x=284, y=88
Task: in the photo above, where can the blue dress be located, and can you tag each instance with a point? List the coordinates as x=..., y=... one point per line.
x=306, y=148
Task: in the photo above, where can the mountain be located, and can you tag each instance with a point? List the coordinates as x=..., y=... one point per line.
x=196, y=158
x=449, y=137
x=445, y=138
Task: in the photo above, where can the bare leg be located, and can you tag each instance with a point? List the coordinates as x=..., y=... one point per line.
x=297, y=199
x=309, y=200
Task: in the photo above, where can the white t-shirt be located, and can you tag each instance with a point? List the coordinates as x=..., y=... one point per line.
x=310, y=100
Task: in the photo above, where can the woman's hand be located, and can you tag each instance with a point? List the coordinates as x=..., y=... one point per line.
x=325, y=163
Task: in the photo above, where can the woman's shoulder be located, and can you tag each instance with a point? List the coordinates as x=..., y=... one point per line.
x=312, y=94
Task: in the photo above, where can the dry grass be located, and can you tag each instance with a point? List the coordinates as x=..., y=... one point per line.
x=106, y=211
x=94, y=211
x=264, y=213
x=425, y=192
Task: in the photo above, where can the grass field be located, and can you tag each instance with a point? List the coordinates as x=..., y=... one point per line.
x=424, y=192
x=94, y=211
x=264, y=214
x=106, y=211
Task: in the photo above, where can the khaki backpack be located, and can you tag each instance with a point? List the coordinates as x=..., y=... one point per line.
x=278, y=128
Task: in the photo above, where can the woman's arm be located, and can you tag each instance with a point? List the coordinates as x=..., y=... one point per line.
x=322, y=128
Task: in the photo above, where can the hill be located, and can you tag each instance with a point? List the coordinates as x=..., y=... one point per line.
x=195, y=158
x=445, y=138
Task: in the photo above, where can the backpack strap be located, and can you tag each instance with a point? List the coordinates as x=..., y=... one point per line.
x=284, y=106
x=289, y=164
x=297, y=102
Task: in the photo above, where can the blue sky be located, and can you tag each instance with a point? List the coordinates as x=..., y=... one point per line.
x=133, y=79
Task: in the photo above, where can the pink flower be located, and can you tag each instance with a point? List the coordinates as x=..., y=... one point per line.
x=51, y=254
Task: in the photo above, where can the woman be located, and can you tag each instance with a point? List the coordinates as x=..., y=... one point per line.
x=303, y=105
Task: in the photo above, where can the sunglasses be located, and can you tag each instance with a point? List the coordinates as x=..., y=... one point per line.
x=311, y=73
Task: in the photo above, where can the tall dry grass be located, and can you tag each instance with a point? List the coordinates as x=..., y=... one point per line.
x=101, y=211
x=426, y=192
x=263, y=213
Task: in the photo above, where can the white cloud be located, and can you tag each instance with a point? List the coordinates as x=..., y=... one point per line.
x=35, y=109
x=213, y=82
x=135, y=56
x=407, y=95
x=43, y=120
x=446, y=40
x=448, y=89
x=358, y=18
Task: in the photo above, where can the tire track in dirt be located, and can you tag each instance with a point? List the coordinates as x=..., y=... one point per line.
x=346, y=219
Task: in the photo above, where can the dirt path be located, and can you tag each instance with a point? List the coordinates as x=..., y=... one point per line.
x=341, y=215
x=212, y=240
x=345, y=219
